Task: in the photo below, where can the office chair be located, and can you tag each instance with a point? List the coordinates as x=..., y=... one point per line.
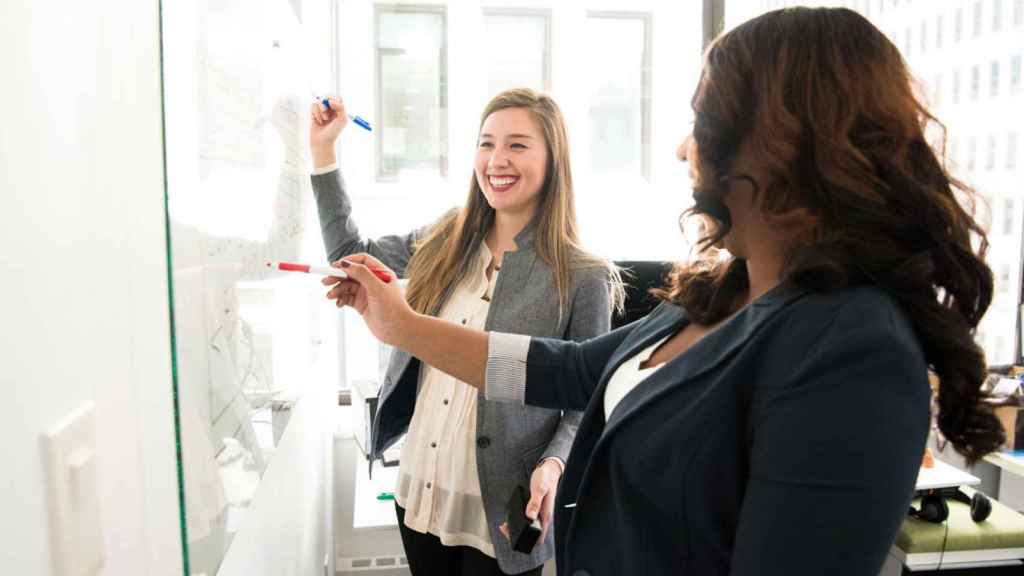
x=640, y=276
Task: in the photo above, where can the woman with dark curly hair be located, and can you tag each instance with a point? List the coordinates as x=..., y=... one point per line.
x=770, y=416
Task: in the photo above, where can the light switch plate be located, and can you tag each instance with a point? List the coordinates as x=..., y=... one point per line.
x=75, y=525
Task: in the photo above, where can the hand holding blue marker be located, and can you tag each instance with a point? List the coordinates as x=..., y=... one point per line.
x=358, y=120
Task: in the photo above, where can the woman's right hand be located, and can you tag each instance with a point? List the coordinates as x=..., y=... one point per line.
x=382, y=305
x=325, y=125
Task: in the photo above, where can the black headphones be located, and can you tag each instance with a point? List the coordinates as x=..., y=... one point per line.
x=934, y=507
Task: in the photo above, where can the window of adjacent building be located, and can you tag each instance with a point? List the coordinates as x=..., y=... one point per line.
x=518, y=49
x=1018, y=13
x=1011, y=150
x=990, y=153
x=975, y=82
x=937, y=90
x=958, y=25
x=1015, y=73
x=618, y=76
x=412, y=91
x=997, y=15
x=972, y=152
x=956, y=86
x=977, y=18
x=1008, y=215
x=994, y=82
x=1003, y=281
x=938, y=31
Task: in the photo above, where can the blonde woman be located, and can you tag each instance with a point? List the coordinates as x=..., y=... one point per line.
x=509, y=260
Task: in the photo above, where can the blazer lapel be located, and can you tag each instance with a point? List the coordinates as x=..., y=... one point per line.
x=704, y=357
x=664, y=320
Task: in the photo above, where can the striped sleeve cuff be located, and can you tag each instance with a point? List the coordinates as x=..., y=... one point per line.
x=325, y=169
x=506, y=367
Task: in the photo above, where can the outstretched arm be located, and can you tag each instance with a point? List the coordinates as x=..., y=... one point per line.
x=565, y=373
x=334, y=206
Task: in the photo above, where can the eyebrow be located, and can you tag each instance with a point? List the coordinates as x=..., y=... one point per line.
x=527, y=136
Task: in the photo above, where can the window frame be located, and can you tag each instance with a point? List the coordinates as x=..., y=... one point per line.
x=645, y=79
x=378, y=86
x=529, y=12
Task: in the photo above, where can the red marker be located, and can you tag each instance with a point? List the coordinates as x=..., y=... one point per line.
x=384, y=275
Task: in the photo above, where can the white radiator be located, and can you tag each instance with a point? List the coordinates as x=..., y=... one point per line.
x=376, y=565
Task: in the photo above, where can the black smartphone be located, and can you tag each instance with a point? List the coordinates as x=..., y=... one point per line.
x=523, y=532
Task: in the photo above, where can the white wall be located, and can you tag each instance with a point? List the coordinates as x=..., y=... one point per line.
x=83, y=284
x=288, y=527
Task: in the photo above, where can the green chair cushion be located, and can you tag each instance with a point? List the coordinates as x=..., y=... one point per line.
x=1004, y=528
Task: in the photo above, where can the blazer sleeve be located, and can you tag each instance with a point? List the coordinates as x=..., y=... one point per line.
x=341, y=235
x=835, y=452
x=548, y=372
x=590, y=316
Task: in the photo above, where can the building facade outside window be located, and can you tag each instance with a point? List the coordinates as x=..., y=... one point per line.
x=412, y=90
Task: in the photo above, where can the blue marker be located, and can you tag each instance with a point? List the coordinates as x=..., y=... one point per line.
x=358, y=120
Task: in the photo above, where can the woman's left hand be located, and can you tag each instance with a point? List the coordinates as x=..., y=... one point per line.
x=543, y=485
x=380, y=303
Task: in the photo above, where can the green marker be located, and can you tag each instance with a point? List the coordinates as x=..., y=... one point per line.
x=386, y=496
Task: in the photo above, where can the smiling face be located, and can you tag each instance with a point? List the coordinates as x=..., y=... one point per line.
x=511, y=161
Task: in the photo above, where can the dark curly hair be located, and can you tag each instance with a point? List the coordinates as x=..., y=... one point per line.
x=827, y=104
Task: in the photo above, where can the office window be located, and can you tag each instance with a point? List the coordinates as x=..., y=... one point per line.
x=997, y=15
x=975, y=81
x=990, y=153
x=412, y=91
x=1001, y=339
x=994, y=82
x=1008, y=216
x=1011, y=150
x=1015, y=73
x=972, y=152
x=956, y=86
x=518, y=50
x=958, y=25
x=619, y=84
x=977, y=18
x=938, y=31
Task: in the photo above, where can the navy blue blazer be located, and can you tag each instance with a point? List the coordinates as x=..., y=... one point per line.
x=785, y=442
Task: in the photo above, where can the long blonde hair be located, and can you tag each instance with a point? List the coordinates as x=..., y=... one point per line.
x=447, y=253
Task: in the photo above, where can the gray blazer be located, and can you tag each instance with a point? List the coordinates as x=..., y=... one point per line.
x=511, y=439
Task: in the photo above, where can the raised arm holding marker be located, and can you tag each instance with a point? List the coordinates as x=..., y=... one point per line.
x=357, y=119
x=384, y=276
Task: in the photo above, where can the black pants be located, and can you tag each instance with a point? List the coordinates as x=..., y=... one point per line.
x=429, y=557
